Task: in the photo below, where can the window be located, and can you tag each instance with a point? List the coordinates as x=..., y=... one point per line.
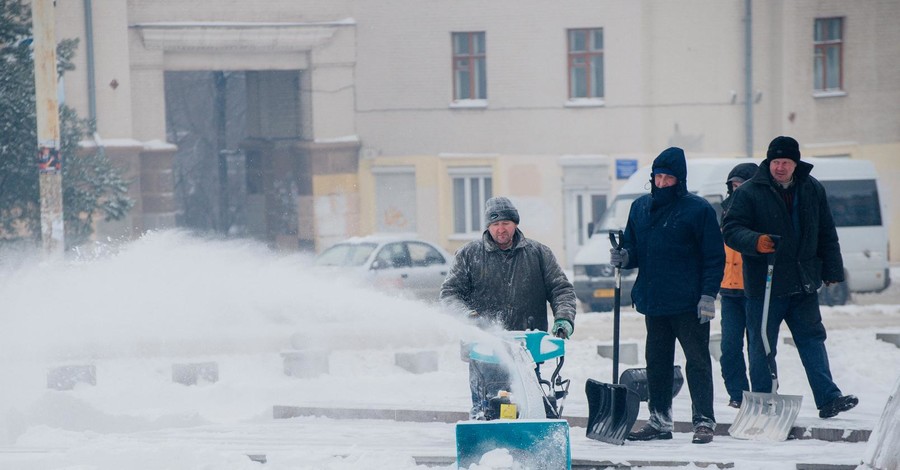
x=828, y=52
x=469, y=72
x=586, y=63
x=853, y=203
x=423, y=255
x=469, y=194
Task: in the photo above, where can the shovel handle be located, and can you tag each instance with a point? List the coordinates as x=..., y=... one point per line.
x=615, y=239
x=764, y=327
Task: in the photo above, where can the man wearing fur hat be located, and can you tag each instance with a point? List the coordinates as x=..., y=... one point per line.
x=784, y=200
x=506, y=280
x=673, y=238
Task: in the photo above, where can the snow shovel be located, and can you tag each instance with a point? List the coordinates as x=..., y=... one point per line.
x=612, y=408
x=883, y=448
x=766, y=416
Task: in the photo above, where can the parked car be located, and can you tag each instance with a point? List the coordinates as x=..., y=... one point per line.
x=390, y=262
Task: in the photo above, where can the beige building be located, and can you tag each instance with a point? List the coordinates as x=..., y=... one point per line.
x=367, y=116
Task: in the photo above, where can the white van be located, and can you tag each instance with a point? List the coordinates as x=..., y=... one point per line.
x=852, y=190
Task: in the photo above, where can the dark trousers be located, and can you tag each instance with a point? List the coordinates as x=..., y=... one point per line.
x=485, y=380
x=801, y=314
x=734, y=330
x=662, y=331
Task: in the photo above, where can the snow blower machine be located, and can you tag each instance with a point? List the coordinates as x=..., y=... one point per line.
x=516, y=414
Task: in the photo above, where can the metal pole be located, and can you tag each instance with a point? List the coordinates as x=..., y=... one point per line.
x=748, y=78
x=49, y=160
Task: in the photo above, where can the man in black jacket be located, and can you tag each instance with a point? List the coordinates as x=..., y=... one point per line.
x=505, y=280
x=673, y=238
x=783, y=199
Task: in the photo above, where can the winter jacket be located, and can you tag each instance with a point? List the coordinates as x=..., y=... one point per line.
x=733, y=279
x=809, y=251
x=510, y=287
x=676, y=246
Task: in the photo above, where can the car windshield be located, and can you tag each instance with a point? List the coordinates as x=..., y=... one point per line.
x=346, y=254
x=616, y=215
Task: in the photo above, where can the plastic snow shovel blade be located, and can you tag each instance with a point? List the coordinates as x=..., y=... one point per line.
x=612, y=411
x=535, y=444
x=765, y=416
x=883, y=448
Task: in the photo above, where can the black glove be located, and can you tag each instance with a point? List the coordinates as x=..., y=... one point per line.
x=618, y=257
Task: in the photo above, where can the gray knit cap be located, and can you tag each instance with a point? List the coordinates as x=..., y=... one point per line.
x=499, y=208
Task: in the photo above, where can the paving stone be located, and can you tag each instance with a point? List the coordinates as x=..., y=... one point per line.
x=305, y=363
x=66, y=377
x=628, y=352
x=420, y=362
x=893, y=338
x=191, y=374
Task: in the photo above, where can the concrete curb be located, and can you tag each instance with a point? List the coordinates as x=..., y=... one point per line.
x=428, y=416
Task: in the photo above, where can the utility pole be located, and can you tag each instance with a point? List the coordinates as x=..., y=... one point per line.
x=49, y=160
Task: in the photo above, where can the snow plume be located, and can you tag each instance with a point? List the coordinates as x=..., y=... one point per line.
x=172, y=293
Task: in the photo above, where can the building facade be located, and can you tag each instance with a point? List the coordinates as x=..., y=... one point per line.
x=405, y=115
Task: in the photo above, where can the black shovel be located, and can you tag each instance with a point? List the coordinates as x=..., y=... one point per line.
x=612, y=408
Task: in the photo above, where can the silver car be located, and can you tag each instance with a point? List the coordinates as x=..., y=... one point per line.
x=395, y=263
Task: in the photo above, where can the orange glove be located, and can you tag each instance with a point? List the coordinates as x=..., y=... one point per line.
x=764, y=244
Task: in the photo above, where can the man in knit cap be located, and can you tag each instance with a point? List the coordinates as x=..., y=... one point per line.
x=784, y=200
x=506, y=280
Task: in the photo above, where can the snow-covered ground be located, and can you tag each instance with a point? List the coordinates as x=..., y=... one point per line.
x=173, y=299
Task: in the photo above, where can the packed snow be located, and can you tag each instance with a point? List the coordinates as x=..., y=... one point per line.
x=132, y=312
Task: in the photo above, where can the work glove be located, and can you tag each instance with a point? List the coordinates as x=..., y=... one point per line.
x=706, y=309
x=764, y=244
x=618, y=257
x=563, y=328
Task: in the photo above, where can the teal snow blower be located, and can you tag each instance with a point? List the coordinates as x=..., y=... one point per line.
x=524, y=418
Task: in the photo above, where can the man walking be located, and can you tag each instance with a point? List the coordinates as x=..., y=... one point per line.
x=506, y=280
x=673, y=238
x=783, y=199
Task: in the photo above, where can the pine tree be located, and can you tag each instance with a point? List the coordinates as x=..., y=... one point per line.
x=92, y=186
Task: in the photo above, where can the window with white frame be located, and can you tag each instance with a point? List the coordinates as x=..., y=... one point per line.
x=471, y=188
x=828, y=54
x=469, y=66
x=585, y=63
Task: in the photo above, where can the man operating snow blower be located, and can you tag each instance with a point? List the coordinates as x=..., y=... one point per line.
x=505, y=280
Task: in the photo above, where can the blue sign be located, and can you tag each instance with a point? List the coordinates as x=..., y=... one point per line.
x=625, y=168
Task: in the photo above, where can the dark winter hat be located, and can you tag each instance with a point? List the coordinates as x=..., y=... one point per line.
x=500, y=208
x=741, y=172
x=783, y=147
x=671, y=161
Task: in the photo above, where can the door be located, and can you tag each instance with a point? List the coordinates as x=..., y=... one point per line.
x=584, y=209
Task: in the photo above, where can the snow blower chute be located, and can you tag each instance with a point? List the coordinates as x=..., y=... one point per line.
x=524, y=417
x=767, y=416
x=612, y=408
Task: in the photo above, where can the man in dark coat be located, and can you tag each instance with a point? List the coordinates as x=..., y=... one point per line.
x=782, y=199
x=506, y=280
x=673, y=238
